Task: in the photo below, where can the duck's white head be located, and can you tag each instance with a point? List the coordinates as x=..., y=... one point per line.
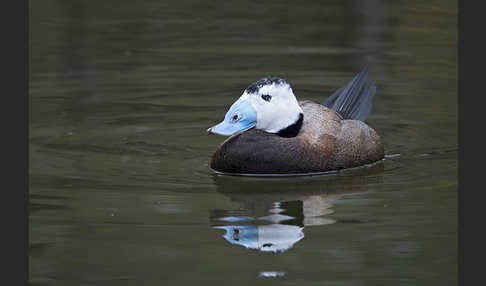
x=269, y=105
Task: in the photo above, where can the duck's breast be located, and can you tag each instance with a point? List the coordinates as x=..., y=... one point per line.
x=259, y=152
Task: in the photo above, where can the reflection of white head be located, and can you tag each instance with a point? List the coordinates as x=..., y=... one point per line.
x=268, y=238
x=275, y=104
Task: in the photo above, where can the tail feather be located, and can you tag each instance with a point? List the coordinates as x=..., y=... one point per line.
x=353, y=101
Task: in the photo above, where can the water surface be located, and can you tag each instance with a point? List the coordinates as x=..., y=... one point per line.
x=121, y=94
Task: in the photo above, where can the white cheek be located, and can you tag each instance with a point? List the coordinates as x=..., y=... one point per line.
x=266, y=120
x=276, y=115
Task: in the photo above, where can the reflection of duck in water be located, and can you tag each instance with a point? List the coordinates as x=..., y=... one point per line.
x=273, y=213
x=269, y=233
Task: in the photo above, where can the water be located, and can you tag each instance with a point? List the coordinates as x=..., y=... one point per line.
x=122, y=92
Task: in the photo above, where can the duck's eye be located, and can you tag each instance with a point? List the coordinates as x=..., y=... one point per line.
x=266, y=97
x=235, y=117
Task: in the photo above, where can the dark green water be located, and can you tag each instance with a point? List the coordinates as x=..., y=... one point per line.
x=121, y=93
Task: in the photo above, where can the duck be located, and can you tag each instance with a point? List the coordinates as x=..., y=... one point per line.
x=271, y=133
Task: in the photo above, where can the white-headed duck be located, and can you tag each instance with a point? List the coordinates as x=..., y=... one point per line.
x=271, y=133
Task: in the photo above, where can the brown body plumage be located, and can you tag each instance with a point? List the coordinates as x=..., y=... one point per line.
x=326, y=142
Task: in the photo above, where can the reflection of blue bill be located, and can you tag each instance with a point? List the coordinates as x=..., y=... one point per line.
x=236, y=218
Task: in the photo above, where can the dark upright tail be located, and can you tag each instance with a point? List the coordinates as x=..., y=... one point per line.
x=353, y=101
